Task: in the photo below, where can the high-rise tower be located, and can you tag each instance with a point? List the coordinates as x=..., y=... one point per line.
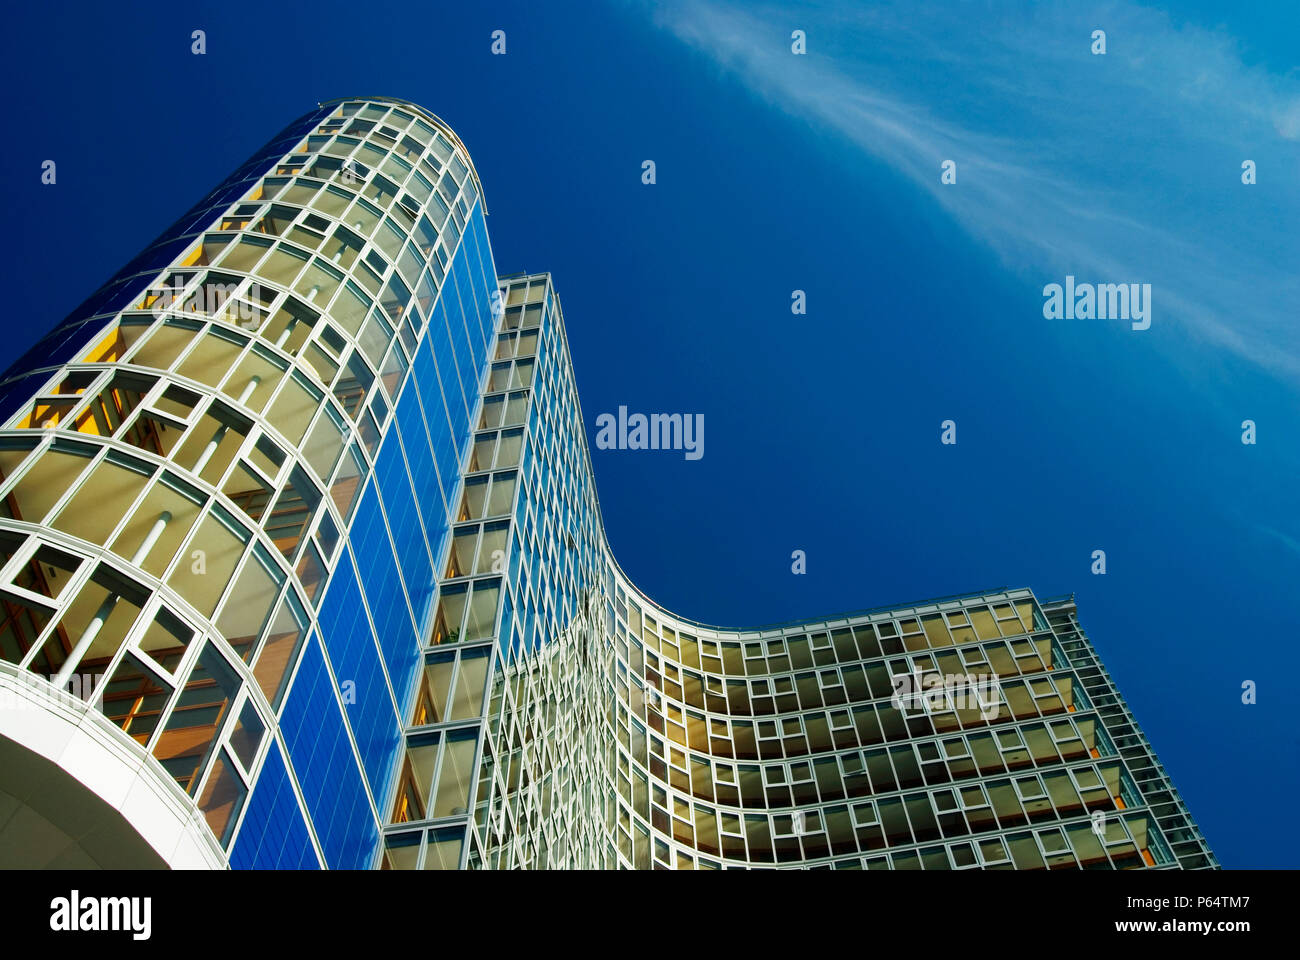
x=303, y=566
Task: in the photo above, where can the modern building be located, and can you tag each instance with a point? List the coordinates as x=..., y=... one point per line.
x=302, y=565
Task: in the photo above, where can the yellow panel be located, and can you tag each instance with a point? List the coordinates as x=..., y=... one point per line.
x=107, y=350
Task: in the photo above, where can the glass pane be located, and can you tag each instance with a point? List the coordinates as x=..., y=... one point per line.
x=491, y=554
x=347, y=483
x=165, y=514
x=451, y=611
x=292, y=411
x=213, y=442
x=21, y=622
x=311, y=571
x=183, y=745
x=323, y=446
x=456, y=776
x=164, y=345
x=439, y=675
x=247, y=735
x=461, y=554
x=248, y=491
x=254, y=381
x=483, y=611
x=280, y=650
x=210, y=359
x=470, y=683
x=101, y=502
x=210, y=558
x=223, y=796
x=244, y=612
x=103, y=612
x=166, y=638
x=133, y=698
x=47, y=573
x=292, y=513
x=503, y=496
x=444, y=850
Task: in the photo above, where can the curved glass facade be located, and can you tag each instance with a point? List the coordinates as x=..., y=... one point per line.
x=301, y=503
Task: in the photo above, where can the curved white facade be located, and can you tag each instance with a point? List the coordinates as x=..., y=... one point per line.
x=78, y=795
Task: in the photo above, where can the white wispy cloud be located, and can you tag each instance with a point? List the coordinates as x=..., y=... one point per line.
x=1123, y=167
x=1287, y=540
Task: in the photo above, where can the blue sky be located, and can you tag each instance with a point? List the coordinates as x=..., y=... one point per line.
x=821, y=172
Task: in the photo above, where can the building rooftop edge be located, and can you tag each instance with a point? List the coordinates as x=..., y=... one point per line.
x=442, y=125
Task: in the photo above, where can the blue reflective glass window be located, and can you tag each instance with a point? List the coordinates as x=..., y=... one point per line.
x=415, y=441
x=444, y=356
x=404, y=521
x=354, y=657
x=469, y=301
x=322, y=758
x=273, y=835
x=384, y=593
